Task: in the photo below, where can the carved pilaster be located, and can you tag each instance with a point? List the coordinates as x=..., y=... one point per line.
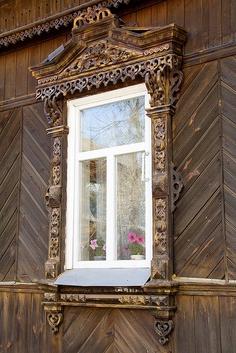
x=53, y=111
x=163, y=86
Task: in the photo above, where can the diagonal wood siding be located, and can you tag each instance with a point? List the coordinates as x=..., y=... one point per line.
x=199, y=237
x=109, y=330
x=33, y=231
x=205, y=154
x=10, y=158
x=228, y=94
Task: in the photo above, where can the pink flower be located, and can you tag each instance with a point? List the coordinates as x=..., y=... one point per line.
x=132, y=237
x=93, y=244
x=140, y=239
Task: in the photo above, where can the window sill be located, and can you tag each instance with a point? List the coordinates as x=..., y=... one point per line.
x=104, y=277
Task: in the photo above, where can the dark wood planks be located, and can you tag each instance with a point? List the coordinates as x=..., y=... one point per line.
x=33, y=232
x=198, y=220
x=228, y=98
x=22, y=323
x=10, y=158
x=109, y=330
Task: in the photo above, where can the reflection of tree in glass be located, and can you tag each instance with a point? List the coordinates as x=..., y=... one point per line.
x=112, y=124
x=130, y=200
x=93, y=204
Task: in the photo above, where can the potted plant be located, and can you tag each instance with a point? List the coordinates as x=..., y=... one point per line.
x=136, y=246
x=98, y=248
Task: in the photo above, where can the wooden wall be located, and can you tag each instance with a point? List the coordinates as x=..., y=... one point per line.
x=202, y=324
x=204, y=131
x=204, y=148
x=209, y=23
x=204, y=152
x=18, y=13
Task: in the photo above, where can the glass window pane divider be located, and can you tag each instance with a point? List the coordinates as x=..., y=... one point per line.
x=117, y=150
x=111, y=189
x=148, y=184
x=77, y=196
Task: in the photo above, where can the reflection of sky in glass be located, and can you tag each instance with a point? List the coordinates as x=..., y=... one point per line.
x=112, y=124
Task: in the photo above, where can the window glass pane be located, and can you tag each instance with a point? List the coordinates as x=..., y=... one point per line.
x=92, y=225
x=130, y=207
x=113, y=124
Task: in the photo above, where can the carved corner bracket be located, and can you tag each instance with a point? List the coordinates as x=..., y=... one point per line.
x=177, y=187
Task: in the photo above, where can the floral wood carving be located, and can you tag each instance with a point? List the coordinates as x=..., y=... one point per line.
x=99, y=55
x=177, y=186
x=163, y=328
x=92, y=15
x=113, y=76
x=164, y=84
x=160, y=231
x=53, y=112
x=54, y=319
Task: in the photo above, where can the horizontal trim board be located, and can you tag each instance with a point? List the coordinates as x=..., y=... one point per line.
x=60, y=20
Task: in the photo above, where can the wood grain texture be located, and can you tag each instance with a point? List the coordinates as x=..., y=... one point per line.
x=205, y=154
x=198, y=219
x=209, y=23
x=18, y=13
x=10, y=158
x=228, y=108
x=22, y=323
x=106, y=330
x=33, y=232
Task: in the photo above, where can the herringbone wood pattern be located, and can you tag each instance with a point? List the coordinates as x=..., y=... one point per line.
x=33, y=232
x=10, y=147
x=199, y=236
x=228, y=94
x=115, y=331
x=205, y=154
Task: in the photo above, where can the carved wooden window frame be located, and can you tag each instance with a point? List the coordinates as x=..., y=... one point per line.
x=152, y=55
x=122, y=55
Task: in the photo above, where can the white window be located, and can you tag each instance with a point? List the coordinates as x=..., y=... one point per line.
x=109, y=202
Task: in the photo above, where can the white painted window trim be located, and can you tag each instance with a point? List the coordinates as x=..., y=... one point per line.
x=74, y=156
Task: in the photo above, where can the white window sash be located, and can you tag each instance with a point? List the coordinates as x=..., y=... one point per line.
x=73, y=207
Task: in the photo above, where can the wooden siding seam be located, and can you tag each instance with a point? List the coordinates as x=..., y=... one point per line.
x=19, y=194
x=219, y=94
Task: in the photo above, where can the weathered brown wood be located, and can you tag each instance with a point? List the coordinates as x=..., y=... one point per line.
x=207, y=325
x=33, y=232
x=10, y=75
x=184, y=334
x=227, y=320
x=10, y=149
x=205, y=224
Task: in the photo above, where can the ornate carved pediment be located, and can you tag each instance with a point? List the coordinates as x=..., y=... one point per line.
x=101, y=52
x=99, y=55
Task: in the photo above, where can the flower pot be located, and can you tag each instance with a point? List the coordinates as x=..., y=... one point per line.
x=99, y=258
x=137, y=257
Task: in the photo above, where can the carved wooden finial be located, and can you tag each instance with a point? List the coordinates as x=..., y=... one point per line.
x=92, y=15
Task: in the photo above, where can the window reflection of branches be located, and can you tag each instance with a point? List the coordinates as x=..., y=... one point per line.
x=113, y=124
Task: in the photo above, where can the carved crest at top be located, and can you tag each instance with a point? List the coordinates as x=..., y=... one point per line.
x=100, y=55
x=92, y=15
